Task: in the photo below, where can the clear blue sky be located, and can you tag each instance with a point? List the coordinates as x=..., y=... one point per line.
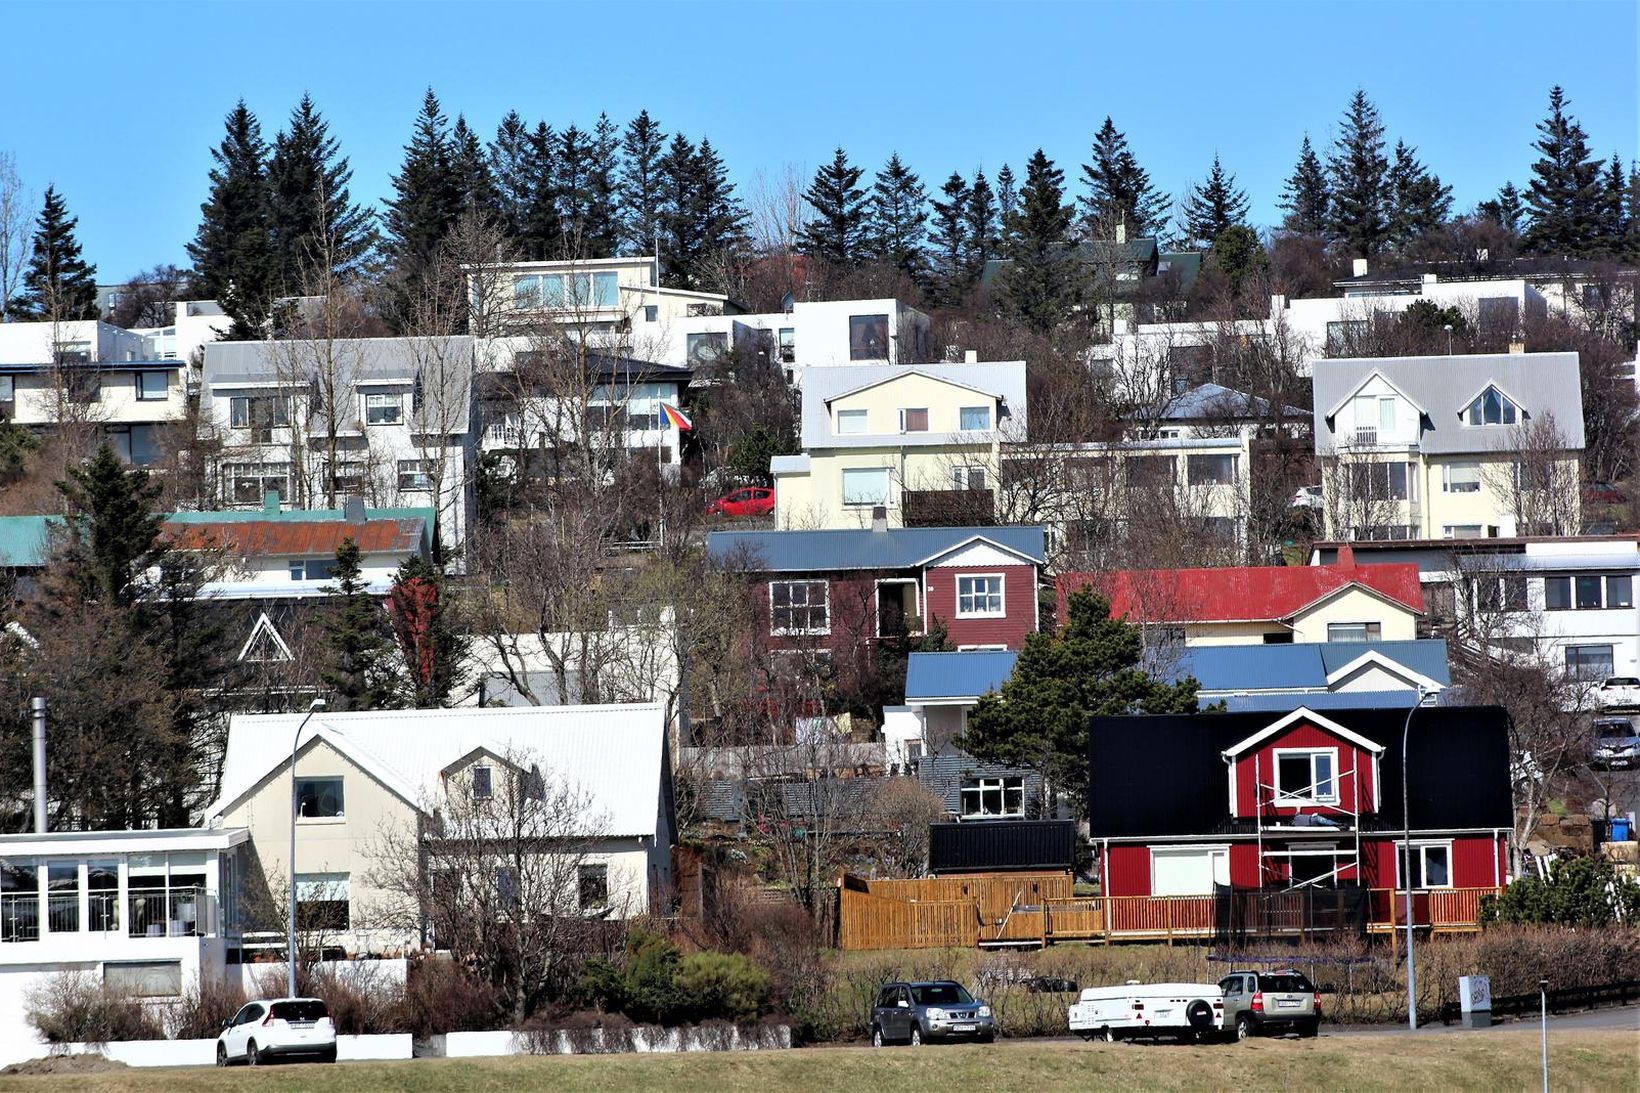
x=119, y=104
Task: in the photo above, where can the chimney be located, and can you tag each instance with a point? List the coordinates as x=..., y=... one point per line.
x=1346, y=557
x=1121, y=231
x=353, y=510
x=879, y=518
x=270, y=503
x=970, y=356
x=1358, y=267
x=1431, y=278
x=1517, y=347
x=39, y=765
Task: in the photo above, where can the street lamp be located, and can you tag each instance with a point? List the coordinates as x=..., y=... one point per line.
x=1543, y=1018
x=313, y=707
x=1406, y=864
x=1448, y=329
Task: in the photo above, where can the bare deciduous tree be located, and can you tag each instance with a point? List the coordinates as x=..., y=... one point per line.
x=15, y=205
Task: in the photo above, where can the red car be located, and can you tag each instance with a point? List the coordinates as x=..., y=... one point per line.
x=746, y=501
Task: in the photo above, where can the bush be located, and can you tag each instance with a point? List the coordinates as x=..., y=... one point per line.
x=75, y=1007
x=1577, y=892
x=204, y=1006
x=441, y=996
x=720, y=985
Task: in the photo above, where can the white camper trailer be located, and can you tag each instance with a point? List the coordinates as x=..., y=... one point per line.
x=1193, y=1011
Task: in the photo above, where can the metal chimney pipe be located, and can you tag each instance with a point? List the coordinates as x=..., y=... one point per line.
x=39, y=765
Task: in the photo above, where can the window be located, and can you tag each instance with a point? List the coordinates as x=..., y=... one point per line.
x=1306, y=777
x=1342, y=336
x=143, y=978
x=152, y=386
x=606, y=289
x=651, y=313
x=1589, y=662
x=258, y=411
x=413, y=475
x=1002, y=796
x=968, y=478
x=868, y=337
x=1354, y=631
x=705, y=348
x=72, y=352
x=1619, y=592
x=319, y=798
x=346, y=475
x=1216, y=470
x=547, y=290
x=1461, y=478
x=851, y=422
x=1586, y=591
x=8, y=388
x=1491, y=407
x=1151, y=470
x=103, y=896
x=249, y=483
x=1461, y=531
x=979, y=597
x=312, y=569
x=914, y=420
x=865, y=485
x=386, y=408
x=592, y=882
x=63, y=897
x=1383, y=482
x=1557, y=593
x=1500, y=593
x=322, y=901
x=483, y=783
x=787, y=342
x=799, y=607
x=973, y=419
x=1431, y=865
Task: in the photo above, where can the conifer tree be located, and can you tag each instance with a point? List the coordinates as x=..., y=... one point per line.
x=1614, y=225
x=57, y=283
x=1040, y=285
x=310, y=211
x=1214, y=206
x=899, y=215
x=1631, y=218
x=475, y=185
x=677, y=170
x=700, y=214
x=1119, y=190
x=1418, y=202
x=982, y=232
x=232, y=251
x=1357, y=173
x=1307, y=196
x=1563, y=198
x=113, y=525
x=426, y=192
x=432, y=646
x=949, y=238
x=358, y=640
x=603, y=228
x=1007, y=198
x=509, y=159
x=642, y=146
x=721, y=216
x=543, y=229
x=1505, y=210
x=573, y=166
x=835, y=230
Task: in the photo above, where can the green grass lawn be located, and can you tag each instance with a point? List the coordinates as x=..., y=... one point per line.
x=1490, y=1060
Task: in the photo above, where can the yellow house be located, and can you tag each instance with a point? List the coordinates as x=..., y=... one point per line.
x=370, y=784
x=922, y=442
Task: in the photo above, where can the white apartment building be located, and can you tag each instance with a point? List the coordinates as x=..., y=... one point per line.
x=618, y=301
x=196, y=322
x=806, y=335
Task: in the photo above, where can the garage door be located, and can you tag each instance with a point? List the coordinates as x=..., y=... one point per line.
x=1188, y=871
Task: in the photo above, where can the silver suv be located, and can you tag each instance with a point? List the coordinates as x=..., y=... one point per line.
x=1279, y=1001
x=915, y=1013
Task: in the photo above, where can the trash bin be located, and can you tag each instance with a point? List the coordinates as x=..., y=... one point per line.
x=1621, y=831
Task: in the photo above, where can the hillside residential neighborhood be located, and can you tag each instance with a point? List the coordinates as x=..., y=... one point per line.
x=573, y=586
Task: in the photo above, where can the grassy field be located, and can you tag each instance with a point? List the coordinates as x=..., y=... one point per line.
x=1494, y=1060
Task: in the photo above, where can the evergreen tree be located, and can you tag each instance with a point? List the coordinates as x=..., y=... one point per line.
x=1505, y=210
x=603, y=226
x=982, y=234
x=57, y=283
x=358, y=639
x=1563, y=199
x=1214, y=206
x=1418, y=203
x=1631, y=218
x=678, y=169
x=642, y=146
x=432, y=646
x=232, y=251
x=16, y=445
x=510, y=171
x=899, y=215
x=542, y=237
x=427, y=197
x=1039, y=286
x=836, y=230
x=1358, y=175
x=949, y=237
x=1238, y=254
x=700, y=215
x=310, y=211
x=1307, y=196
x=113, y=528
x=573, y=167
x=1614, y=227
x=474, y=182
x=720, y=218
x=1007, y=198
x=1119, y=190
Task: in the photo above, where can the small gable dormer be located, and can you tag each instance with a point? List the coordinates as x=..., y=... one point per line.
x=1377, y=413
x=1304, y=765
x=1492, y=407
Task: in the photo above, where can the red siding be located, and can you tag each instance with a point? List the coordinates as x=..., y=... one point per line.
x=1355, y=772
x=1127, y=868
x=852, y=610
x=1127, y=871
x=1018, y=601
x=1244, y=865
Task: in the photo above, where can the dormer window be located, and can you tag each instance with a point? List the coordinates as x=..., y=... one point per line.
x=1492, y=407
x=1306, y=776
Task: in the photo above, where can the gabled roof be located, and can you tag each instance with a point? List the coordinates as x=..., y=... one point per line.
x=967, y=674
x=1307, y=716
x=1302, y=667
x=912, y=371
x=1274, y=594
x=614, y=754
x=839, y=549
x=1212, y=400
x=1003, y=380
x=1376, y=374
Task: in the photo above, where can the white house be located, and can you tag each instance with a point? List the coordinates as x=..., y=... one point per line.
x=807, y=335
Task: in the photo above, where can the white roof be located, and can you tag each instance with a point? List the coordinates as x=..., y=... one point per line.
x=614, y=754
x=145, y=841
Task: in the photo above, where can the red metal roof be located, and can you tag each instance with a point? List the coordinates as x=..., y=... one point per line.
x=1240, y=594
x=304, y=538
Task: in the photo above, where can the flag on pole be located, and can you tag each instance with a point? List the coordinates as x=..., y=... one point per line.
x=677, y=417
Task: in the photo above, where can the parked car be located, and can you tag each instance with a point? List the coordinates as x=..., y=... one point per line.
x=1603, y=493
x=1307, y=497
x=1619, y=691
x=1279, y=1001
x=1183, y=1011
x=746, y=501
x=277, y=1028
x=1616, y=743
x=917, y=1013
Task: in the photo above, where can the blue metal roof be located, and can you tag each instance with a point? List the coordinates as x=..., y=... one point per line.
x=862, y=548
x=1301, y=666
x=1426, y=656
x=966, y=674
x=1335, y=700
x=23, y=540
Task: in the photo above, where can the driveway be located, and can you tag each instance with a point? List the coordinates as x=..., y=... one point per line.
x=1616, y=1019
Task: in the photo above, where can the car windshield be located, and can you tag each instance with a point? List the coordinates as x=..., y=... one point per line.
x=1616, y=732
x=941, y=994
x=1623, y=681
x=1285, y=982
x=300, y=1010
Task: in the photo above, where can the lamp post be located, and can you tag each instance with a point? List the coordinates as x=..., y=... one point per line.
x=1543, y=1020
x=313, y=707
x=1406, y=864
x=1448, y=329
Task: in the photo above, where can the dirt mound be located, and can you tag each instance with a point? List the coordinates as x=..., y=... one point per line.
x=88, y=1063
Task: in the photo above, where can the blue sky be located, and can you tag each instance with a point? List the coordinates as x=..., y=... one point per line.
x=126, y=104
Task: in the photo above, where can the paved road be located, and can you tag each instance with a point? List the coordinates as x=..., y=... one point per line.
x=1616, y=1018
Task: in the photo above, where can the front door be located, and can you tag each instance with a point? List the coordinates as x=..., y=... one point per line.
x=896, y=608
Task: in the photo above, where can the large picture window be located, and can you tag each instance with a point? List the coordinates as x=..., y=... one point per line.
x=322, y=901
x=799, y=607
x=868, y=337
x=1589, y=662
x=319, y=798
x=705, y=348
x=1588, y=592
x=865, y=485
x=973, y=419
x=1000, y=796
x=152, y=386
x=1211, y=470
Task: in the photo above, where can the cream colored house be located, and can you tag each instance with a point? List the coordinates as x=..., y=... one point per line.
x=911, y=439
x=1472, y=446
x=601, y=297
x=365, y=779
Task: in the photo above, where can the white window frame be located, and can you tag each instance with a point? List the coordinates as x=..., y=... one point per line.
x=1469, y=487
x=986, y=410
x=962, y=475
x=415, y=471
x=341, y=813
x=825, y=586
x=1218, y=854
x=1287, y=800
x=382, y=400
x=1422, y=874
x=164, y=387
x=1366, y=631
x=1000, y=783
x=1001, y=594
x=888, y=488
x=927, y=417
x=861, y=416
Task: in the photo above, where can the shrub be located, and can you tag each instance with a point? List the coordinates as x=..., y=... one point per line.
x=1577, y=892
x=204, y=1006
x=441, y=996
x=720, y=985
x=75, y=1007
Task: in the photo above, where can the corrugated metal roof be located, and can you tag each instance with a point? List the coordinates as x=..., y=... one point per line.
x=1239, y=593
x=1301, y=666
x=1335, y=700
x=1002, y=379
x=1213, y=400
x=24, y=540
x=861, y=548
x=1426, y=656
x=965, y=674
x=264, y=538
x=613, y=753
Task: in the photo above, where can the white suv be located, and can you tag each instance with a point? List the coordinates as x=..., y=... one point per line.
x=277, y=1028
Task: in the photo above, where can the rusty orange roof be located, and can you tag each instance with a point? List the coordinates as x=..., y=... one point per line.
x=261, y=538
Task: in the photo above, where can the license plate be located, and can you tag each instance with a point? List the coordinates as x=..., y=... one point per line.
x=1287, y=1003
x=962, y=1028
x=301, y=1024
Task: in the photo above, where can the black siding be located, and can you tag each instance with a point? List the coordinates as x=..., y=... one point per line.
x=995, y=845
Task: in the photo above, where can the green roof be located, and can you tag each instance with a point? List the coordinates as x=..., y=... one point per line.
x=23, y=539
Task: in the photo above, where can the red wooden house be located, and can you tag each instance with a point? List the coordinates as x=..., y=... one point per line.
x=1263, y=824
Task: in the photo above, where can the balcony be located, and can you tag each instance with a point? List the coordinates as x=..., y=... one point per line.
x=1366, y=436
x=157, y=912
x=948, y=508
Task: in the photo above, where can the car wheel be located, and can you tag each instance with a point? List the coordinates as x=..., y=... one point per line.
x=1310, y=1029
x=251, y=1056
x=221, y=1055
x=876, y=1036
x=916, y=1036
x=987, y=1038
x=1244, y=1027
x=328, y=1057
x=1108, y=1034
